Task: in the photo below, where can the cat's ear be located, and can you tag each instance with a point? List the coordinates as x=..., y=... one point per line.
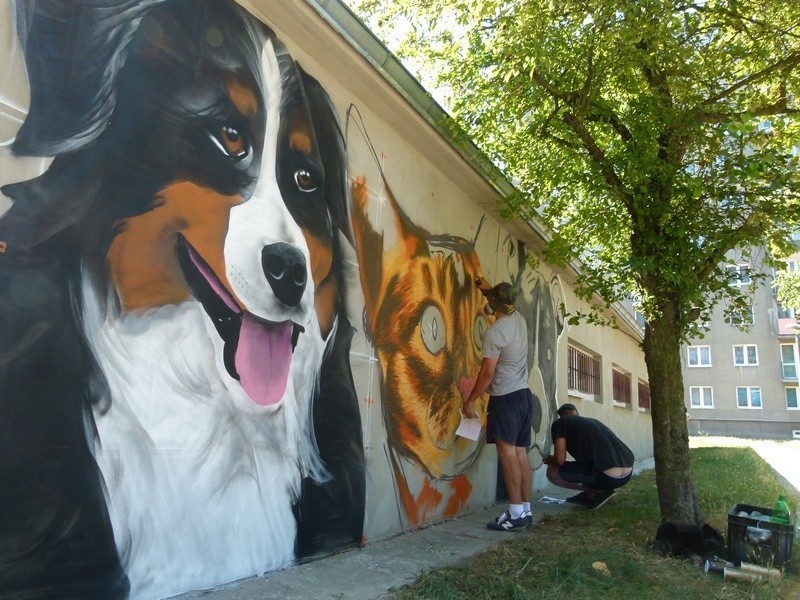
x=411, y=238
x=369, y=251
x=378, y=264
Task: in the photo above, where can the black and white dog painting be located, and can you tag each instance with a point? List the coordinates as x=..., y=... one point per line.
x=176, y=404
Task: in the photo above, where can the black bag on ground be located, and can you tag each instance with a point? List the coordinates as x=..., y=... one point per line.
x=676, y=538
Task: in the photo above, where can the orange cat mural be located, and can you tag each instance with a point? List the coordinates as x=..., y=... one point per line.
x=424, y=316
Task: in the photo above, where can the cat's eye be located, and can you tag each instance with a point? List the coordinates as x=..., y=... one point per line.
x=478, y=329
x=432, y=329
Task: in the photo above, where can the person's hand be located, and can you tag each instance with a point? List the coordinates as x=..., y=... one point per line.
x=483, y=284
x=468, y=411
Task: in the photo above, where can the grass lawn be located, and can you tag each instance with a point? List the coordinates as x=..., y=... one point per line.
x=554, y=558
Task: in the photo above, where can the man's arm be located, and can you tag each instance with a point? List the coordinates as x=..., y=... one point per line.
x=482, y=381
x=559, y=455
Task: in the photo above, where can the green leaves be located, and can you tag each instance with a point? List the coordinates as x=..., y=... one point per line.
x=787, y=288
x=670, y=124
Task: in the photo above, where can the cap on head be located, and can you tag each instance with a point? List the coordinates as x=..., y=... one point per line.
x=565, y=409
x=502, y=297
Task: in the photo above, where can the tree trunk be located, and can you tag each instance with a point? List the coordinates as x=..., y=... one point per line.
x=677, y=495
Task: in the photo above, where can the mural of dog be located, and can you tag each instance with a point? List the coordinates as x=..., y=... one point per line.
x=176, y=405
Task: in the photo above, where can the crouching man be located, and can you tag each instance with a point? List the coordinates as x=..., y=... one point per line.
x=602, y=462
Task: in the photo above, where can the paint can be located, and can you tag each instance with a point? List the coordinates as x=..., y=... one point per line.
x=770, y=572
x=735, y=574
x=716, y=565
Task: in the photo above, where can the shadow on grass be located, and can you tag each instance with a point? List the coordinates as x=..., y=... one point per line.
x=606, y=553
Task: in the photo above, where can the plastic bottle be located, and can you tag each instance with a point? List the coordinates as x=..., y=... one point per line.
x=781, y=514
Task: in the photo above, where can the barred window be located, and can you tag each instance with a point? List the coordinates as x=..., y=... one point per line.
x=583, y=372
x=621, y=383
x=644, y=395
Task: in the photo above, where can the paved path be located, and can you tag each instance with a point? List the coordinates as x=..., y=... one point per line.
x=370, y=573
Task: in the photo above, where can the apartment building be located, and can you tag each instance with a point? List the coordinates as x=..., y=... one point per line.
x=745, y=383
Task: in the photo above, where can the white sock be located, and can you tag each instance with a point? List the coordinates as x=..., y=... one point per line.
x=526, y=507
x=515, y=510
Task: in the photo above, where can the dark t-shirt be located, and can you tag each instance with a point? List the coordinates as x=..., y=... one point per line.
x=591, y=443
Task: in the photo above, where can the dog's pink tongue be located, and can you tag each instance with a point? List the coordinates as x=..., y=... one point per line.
x=263, y=356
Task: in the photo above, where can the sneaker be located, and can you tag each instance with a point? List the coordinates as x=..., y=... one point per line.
x=578, y=499
x=505, y=523
x=528, y=516
x=599, y=499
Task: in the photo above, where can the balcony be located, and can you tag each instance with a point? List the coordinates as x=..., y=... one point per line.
x=788, y=326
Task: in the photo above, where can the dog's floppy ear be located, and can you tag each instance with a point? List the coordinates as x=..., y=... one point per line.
x=73, y=54
x=330, y=140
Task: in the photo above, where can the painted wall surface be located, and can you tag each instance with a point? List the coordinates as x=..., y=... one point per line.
x=237, y=303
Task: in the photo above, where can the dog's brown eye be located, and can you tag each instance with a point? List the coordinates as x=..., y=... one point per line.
x=231, y=142
x=305, y=181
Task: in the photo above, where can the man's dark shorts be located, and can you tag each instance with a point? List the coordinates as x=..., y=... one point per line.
x=575, y=473
x=509, y=418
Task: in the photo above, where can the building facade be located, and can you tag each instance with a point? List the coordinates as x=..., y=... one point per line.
x=237, y=298
x=745, y=383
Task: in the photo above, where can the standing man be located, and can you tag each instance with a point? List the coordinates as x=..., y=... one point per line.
x=504, y=374
x=602, y=463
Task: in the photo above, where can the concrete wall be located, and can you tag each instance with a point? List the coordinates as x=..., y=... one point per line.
x=176, y=413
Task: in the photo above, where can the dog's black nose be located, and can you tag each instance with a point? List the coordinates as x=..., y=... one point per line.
x=285, y=268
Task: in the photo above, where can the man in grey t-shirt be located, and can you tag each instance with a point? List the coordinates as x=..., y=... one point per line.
x=504, y=375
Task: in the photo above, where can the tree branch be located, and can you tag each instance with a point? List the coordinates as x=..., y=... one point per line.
x=561, y=142
x=766, y=25
x=600, y=112
x=790, y=61
x=780, y=107
x=606, y=116
x=599, y=157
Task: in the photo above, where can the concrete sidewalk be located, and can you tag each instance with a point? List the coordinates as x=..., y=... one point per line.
x=368, y=573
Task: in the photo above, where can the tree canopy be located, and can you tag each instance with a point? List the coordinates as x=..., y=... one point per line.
x=787, y=286
x=668, y=125
x=652, y=137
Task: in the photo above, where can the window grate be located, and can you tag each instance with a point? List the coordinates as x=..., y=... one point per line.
x=583, y=372
x=644, y=396
x=622, y=386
